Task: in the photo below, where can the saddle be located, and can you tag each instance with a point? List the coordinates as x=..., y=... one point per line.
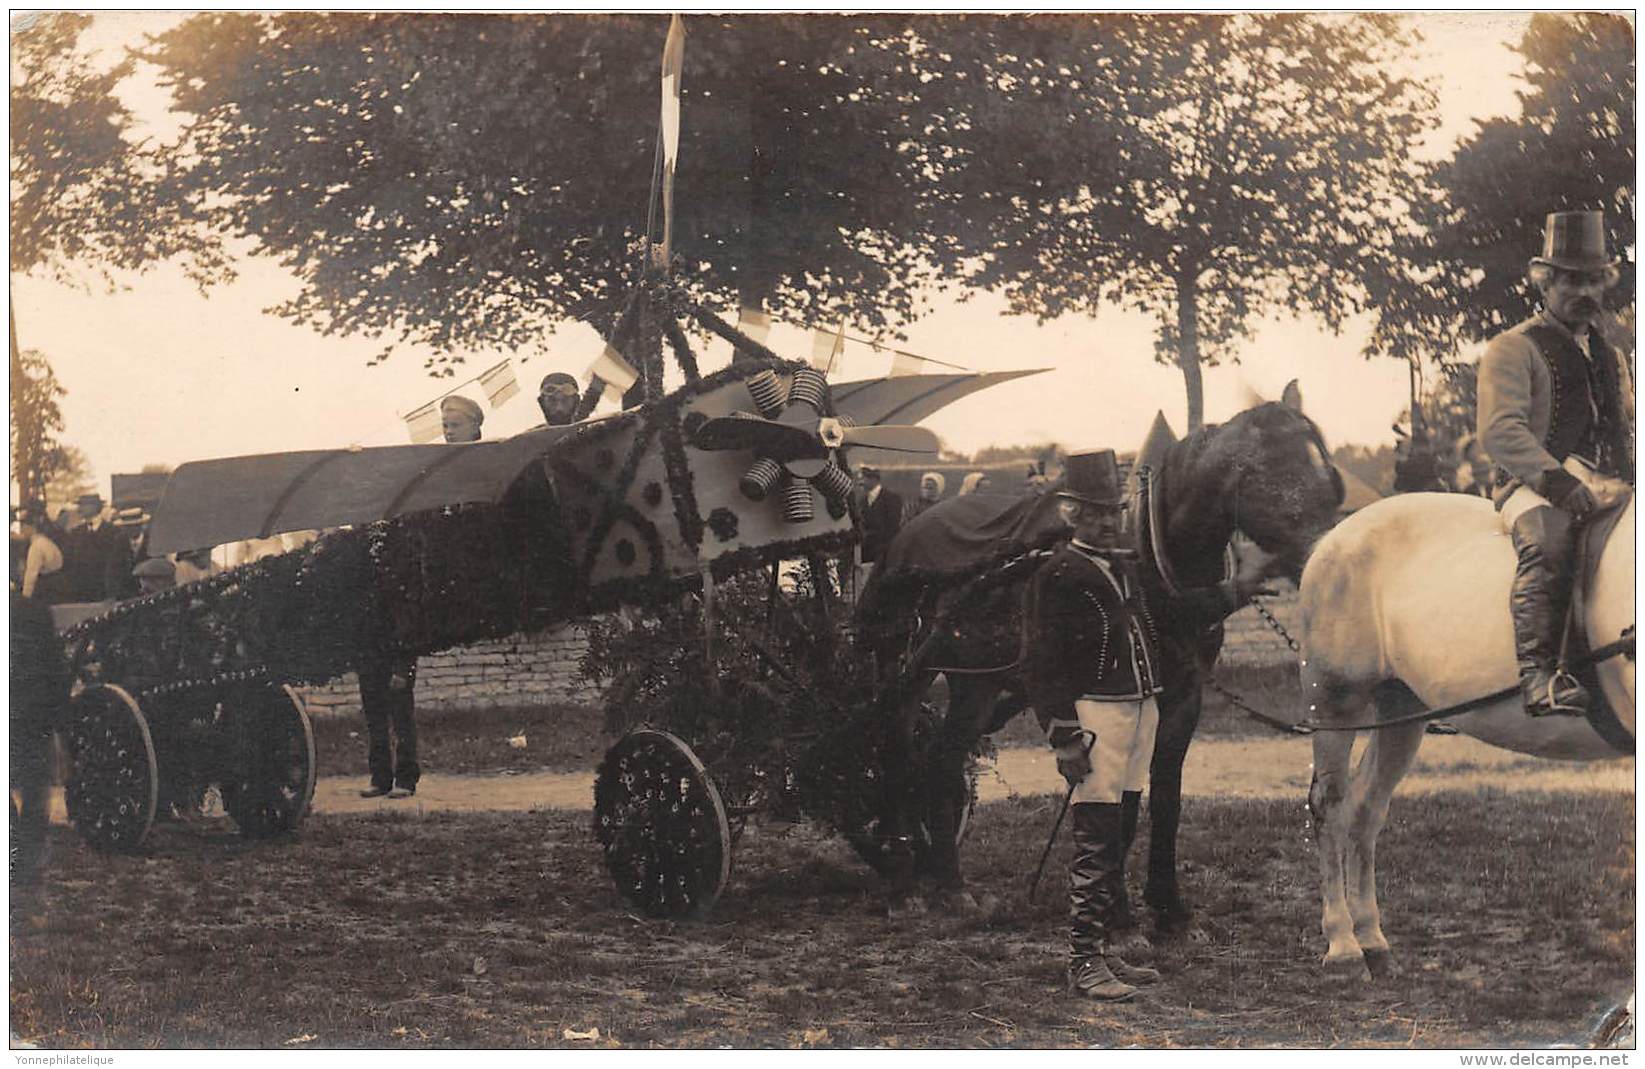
x=1590, y=545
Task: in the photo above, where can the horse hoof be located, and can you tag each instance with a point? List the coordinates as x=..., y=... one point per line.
x=1349, y=973
x=1381, y=964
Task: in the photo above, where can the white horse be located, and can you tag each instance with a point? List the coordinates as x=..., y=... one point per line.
x=1405, y=607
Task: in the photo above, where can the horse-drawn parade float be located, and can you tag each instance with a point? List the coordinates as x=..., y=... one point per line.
x=705, y=528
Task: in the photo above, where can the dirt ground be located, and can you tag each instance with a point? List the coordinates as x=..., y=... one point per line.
x=1267, y=769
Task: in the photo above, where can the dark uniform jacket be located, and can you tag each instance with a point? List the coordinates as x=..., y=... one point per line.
x=1092, y=630
x=880, y=523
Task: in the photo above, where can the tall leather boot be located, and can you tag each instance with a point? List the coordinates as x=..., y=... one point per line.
x=1539, y=602
x=1098, y=852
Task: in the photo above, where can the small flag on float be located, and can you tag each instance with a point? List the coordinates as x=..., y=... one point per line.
x=424, y=424
x=617, y=374
x=499, y=383
x=828, y=349
x=673, y=65
x=754, y=323
x=906, y=363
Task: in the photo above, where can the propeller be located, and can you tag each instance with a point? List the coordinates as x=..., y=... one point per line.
x=793, y=440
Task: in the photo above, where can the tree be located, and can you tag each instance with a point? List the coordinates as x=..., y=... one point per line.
x=71, y=479
x=82, y=191
x=462, y=180
x=1572, y=147
x=1203, y=168
x=36, y=454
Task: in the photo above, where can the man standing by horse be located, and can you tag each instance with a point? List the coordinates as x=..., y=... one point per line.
x=1092, y=680
x=1555, y=418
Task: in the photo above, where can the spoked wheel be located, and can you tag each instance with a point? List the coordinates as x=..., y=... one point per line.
x=661, y=825
x=114, y=788
x=269, y=782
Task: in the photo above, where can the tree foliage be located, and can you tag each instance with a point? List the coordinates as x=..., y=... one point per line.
x=465, y=180
x=83, y=192
x=37, y=455
x=1571, y=148
x=1205, y=169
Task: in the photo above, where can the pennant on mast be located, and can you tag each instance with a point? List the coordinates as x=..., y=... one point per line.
x=673, y=65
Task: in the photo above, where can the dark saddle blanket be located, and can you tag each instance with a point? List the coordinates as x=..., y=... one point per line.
x=952, y=542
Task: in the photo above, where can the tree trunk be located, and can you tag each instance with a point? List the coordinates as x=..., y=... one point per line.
x=1188, y=349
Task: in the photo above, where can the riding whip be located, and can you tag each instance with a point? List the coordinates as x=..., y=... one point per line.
x=1067, y=800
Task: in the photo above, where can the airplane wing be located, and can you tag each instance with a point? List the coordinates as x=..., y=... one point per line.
x=211, y=502
x=904, y=399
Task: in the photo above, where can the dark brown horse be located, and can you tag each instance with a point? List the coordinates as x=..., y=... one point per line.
x=1266, y=472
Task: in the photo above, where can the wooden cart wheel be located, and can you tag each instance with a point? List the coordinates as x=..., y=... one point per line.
x=662, y=826
x=269, y=782
x=113, y=790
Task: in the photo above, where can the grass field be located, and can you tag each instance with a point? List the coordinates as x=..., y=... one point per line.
x=1513, y=914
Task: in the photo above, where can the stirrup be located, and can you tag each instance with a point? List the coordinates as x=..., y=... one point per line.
x=1564, y=696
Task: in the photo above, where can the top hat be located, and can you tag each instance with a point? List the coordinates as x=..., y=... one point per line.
x=1574, y=241
x=1093, y=477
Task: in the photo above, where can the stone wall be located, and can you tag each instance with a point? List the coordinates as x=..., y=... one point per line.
x=1249, y=642
x=536, y=669
x=542, y=668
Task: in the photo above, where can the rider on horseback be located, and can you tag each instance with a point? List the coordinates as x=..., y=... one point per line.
x=1092, y=679
x=1553, y=397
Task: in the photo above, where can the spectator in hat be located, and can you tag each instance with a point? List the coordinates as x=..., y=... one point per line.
x=932, y=485
x=557, y=396
x=154, y=575
x=976, y=482
x=882, y=514
x=460, y=419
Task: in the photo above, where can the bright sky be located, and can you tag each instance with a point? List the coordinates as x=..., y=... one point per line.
x=159, y=373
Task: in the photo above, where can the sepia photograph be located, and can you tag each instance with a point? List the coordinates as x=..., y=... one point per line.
x=805, y=530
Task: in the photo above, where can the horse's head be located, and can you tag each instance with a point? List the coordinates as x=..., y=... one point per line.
x=1283, y=491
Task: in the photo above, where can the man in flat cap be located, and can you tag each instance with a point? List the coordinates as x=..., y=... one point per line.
x=1091, y=675
x=1556, y=420
x=557, y=396
x=882, y=514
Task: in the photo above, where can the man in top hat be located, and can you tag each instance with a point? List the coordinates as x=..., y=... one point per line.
x=557, y=396
x=882, y=514
x=460, y=419
x=1556, y=420
x=1092, y=642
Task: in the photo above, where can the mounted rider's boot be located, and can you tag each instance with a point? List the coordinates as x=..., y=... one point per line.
x=1539, y=602
x=1098, y=853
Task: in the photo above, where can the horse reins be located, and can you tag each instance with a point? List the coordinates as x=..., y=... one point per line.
x=1622, y=647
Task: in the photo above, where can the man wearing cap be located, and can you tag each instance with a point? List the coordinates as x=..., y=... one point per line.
x=557, y=396
x=1556, y=420
x=1092, y=640
x=882, y=514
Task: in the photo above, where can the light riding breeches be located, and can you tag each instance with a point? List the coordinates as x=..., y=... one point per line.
x=1124, y=746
